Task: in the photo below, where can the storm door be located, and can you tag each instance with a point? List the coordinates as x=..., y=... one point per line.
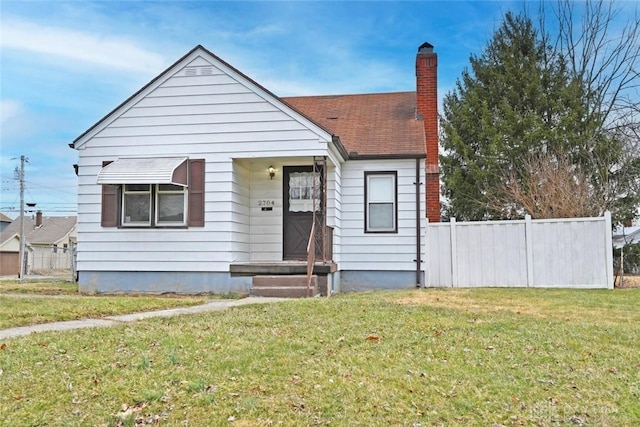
x=302, y=194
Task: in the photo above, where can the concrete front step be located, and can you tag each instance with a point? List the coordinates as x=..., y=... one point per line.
x=291, y=286
x=282, y=292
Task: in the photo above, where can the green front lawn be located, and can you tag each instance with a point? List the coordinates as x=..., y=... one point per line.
x=424, y=357
x=43, y=302
x=38, y=287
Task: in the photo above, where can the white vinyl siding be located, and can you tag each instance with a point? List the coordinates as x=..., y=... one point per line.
x=380, y=251
x=222, y=119
x=240, y=226
x=334, y=207
x=266, y=225
x=380, y=202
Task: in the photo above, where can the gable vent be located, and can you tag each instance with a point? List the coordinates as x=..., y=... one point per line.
x=190, y=71
x=206, y=71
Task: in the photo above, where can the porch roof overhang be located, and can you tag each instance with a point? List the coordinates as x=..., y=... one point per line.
x=147, y=170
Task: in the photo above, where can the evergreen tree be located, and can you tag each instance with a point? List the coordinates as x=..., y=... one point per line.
x=519, y=102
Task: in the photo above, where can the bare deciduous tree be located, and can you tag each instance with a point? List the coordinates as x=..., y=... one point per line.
x=546, y=186
x=600, y=43
x=604, y=53
x=600, y=47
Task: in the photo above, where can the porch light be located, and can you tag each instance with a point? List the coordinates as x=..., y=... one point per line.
x=272, y=171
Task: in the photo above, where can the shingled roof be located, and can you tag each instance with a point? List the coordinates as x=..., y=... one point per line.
x=368, y=125
x=52, y=230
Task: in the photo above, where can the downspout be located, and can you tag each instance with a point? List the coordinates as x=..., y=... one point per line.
x=418, y=240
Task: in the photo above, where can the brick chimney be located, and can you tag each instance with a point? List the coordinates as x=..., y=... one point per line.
x=38, y=218
x=427, y=108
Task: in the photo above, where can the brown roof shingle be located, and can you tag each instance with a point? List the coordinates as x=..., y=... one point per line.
x=377, y=124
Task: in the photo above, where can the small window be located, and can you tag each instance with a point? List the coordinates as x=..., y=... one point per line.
x=136, y=204
x=165, y=204
x=381, y=211
x=171, y=203
x=155, y=205
x=302, y=197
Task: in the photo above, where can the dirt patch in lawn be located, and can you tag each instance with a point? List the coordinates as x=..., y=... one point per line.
x=628, y=282
x=560, y=304
x=461, y=299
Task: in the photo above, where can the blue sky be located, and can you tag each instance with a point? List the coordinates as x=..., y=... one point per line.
x=64, y=65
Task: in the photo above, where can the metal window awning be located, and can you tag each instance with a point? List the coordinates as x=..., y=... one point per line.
x=149, y=170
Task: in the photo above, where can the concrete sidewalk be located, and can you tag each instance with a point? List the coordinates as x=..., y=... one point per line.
x=216, y=305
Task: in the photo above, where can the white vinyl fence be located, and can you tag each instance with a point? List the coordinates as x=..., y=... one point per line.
x=553, y=253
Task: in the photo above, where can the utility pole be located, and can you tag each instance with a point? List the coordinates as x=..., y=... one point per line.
x=22, y=242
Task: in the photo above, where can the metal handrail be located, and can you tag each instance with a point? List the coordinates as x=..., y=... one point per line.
x=311, y=257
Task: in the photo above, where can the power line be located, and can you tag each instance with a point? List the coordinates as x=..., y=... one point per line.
x=45, y=187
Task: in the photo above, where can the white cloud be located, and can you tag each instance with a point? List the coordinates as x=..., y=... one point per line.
x=101, y=50
x=9, y=109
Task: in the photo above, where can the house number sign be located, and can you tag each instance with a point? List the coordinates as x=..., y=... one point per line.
x=266, y=205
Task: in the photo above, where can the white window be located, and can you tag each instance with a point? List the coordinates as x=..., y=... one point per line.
x=171, y=204
x=381, y=202
x=165, y=204
x=136, y=204
x=152, y=192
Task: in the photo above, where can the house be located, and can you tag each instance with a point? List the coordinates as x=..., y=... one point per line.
x=205, y=181
x=4, y=221
x=48, y=242
x=626, y=238
x=9, y=249
x=624, y=235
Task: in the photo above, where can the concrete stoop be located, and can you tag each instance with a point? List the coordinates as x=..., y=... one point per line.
x=284, y=286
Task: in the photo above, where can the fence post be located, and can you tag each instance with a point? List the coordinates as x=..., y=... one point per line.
x=608, y=248
x=427, y=255
x=454, y=254
x=528, y=237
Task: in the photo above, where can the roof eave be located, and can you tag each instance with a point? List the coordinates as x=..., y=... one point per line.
x=395, y=156
x=6, y=239
x=340, y=147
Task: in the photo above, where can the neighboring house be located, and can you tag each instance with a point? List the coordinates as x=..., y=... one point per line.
x=623, y=236
x=9, y=250
x=48, y=244
x=205, y=181
x=4, y=222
